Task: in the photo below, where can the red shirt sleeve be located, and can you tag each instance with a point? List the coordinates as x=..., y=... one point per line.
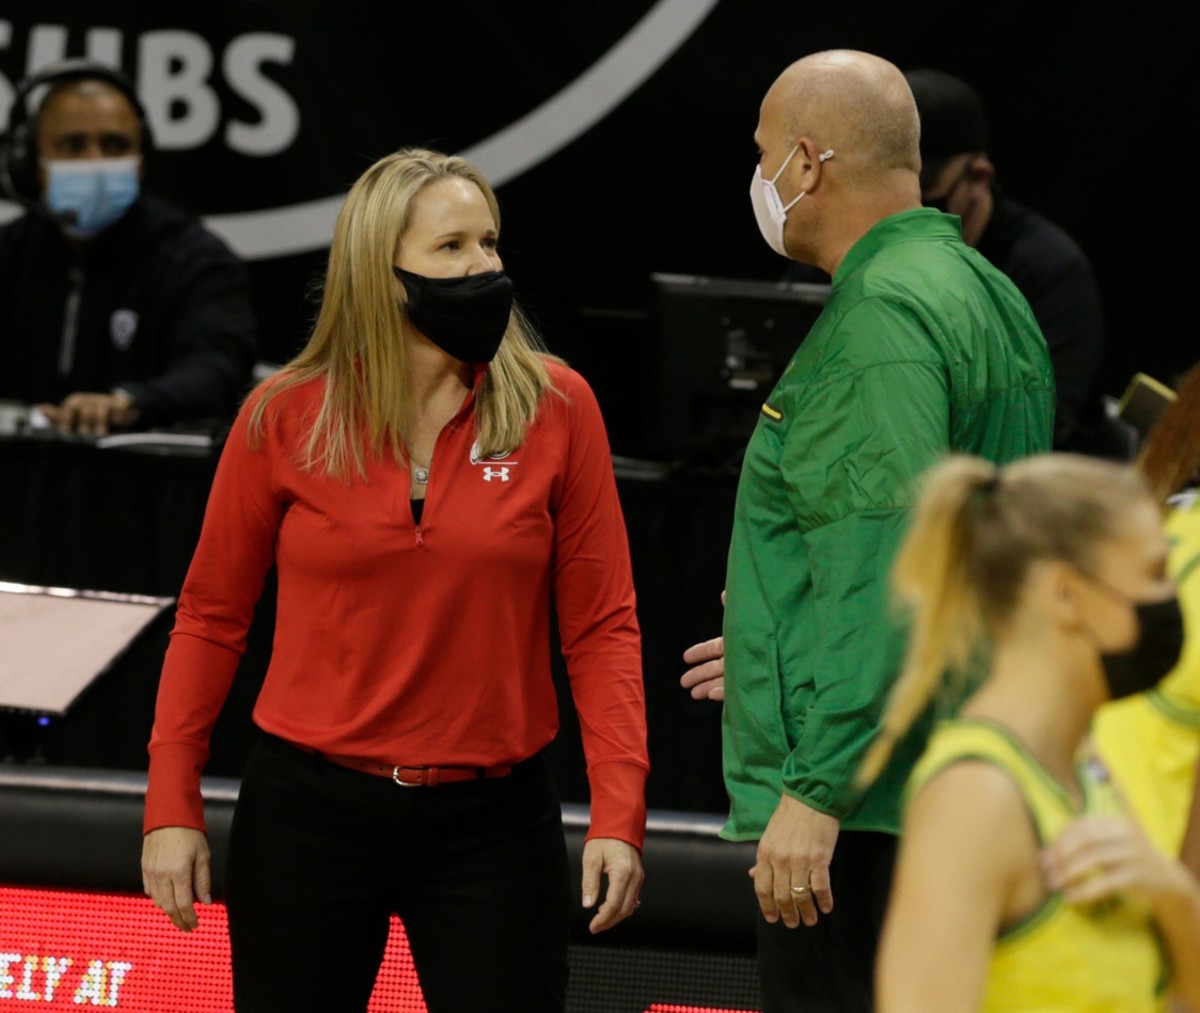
x=601, y=642
x=223, y=584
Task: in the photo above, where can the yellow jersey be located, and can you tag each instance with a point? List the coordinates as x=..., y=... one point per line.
x=1097, y=958
x=1151, y=741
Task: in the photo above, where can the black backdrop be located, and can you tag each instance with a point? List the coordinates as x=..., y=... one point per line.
x=265, y=104
x=1092, y=105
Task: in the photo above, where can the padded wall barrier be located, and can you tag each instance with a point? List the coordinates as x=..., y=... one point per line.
x=76, y=930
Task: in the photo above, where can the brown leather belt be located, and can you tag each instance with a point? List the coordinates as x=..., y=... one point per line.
x=418, y=777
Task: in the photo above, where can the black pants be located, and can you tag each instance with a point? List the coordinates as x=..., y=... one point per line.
x=831, y=966
x=321, y=856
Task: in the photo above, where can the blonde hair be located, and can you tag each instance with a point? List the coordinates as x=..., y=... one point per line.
x=959, y=573
x=356, y=344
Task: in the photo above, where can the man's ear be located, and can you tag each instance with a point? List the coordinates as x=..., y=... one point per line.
x=809, y=161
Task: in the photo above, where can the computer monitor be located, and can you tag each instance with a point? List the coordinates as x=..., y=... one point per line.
x=720, y=346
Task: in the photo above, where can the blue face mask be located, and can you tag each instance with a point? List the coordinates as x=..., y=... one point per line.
x=86, y=196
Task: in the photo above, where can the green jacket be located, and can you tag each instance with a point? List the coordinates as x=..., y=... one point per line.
x=923, y=348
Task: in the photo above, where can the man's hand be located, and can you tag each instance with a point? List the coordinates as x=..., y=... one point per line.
x=91, y=414
x=795, y=851
x=622, y=865
x=706, y=679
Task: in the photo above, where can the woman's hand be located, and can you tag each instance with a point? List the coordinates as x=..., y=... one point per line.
x=176, y=870
x=1098, y=856
x=622, y=865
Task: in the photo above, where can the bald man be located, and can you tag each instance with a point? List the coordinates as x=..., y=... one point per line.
x=923, y=348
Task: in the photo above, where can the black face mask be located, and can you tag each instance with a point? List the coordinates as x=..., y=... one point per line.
x=1156, y=653
x=466, y=317
x=942, y=203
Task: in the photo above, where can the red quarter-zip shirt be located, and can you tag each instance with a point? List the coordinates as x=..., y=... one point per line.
x=415, y=644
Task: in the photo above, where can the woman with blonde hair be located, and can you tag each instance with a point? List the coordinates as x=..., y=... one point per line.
x=1021, y=884
x=425, y=479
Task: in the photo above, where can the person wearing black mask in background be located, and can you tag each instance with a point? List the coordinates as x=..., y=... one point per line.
x=116, y=308
x=1043, y=261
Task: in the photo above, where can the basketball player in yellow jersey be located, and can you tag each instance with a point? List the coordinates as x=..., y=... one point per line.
x=1021, y=886
x=1151, y=742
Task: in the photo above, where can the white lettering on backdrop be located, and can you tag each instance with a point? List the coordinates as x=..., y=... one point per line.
x=175, y=68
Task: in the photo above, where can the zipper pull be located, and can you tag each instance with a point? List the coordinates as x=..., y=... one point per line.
x=417, y=532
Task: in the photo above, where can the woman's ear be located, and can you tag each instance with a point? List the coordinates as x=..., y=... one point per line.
x=1058, y=592
x=401, y=291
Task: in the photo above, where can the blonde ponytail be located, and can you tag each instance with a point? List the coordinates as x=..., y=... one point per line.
x=962, y=565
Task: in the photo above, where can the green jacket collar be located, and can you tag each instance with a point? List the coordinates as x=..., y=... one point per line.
x=919, y=223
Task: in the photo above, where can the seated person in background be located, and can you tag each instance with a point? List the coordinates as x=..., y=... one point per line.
x=116, y=308
x=1045, y=263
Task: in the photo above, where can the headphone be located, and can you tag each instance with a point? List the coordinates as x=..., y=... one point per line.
x=18, y=143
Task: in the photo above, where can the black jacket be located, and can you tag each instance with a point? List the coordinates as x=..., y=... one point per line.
x=1056, y=277
x=155, y=304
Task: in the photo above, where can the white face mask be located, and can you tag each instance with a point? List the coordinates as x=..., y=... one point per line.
x=769, y=210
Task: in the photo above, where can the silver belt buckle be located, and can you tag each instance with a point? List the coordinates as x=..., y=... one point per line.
x=405, y=784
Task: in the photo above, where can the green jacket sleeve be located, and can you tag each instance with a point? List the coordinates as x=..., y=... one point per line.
x=862, y=434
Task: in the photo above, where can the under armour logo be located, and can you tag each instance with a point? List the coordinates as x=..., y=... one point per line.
x=500, y=473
